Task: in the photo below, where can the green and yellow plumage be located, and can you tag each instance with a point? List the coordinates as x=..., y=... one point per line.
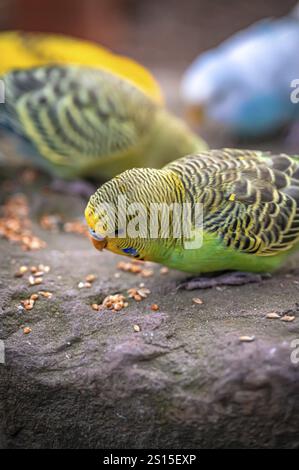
x=24, y=50
x=250, y=202
x=87, y=113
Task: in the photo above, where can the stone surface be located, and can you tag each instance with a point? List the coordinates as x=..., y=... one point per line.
x=84, y=378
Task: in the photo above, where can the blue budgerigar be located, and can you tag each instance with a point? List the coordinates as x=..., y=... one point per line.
x=245, y=84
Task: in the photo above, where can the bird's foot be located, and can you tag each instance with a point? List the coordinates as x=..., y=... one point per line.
x=235, y=278
x=80, y=188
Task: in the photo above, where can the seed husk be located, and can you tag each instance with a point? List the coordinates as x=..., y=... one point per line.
x=247, y=339
x=90, y=278
x=272, y=315
x=288, y=318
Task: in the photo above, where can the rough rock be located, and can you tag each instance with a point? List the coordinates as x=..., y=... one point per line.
x=84, y=378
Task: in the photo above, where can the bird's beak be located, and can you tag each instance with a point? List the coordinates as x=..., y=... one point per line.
x=98, y=244
x=195, y=114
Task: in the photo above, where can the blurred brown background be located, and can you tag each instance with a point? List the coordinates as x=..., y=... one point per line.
x=165, y=35
x=159, y=33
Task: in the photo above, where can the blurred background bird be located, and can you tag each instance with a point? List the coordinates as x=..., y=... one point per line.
x=81, y=111
x=245, y=83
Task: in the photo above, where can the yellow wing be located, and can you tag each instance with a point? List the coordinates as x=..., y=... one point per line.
x=24, y=50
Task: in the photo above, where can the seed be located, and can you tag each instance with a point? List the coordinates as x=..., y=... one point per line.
x=113, y=302
x=86, y=285
x=135, y=269
x=118, y=307
x=27, y=330
x=272, y=315
x=197, y=300
x=38, y=273
x=33, y=269
x=44, y=268
x=137, y=297
x=22, y=270
x=33, y=281
x=90, y=278
x=34, y=297
x=136, y=328
x=247, y=339
x=147, y=272
x=164, y=270
x=155, y=307
x=46, y=294
x=28, y=304
x=95, y=307
x=288, y=318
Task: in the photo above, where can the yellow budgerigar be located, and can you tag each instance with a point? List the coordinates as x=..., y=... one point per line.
x=81, y=111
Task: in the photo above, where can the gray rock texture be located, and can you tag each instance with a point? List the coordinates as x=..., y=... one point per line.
x=84, y=378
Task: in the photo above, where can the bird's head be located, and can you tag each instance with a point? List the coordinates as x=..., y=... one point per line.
x=119, y=214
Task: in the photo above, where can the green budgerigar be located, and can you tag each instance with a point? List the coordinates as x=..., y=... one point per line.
x=250, y=213
x=79, y=121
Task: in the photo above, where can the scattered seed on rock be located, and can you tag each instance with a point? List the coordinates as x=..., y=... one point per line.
x=155, y=307
x=26, y=330
x=164, y=270
x=114, y=302
x=137, y=328
x=34, y=281
x=138, y=294
x=28, y=304
x=90, y=278
x=95, y=307
x=45, y=294
x=197, y=300
x=288, y=318
x=44, y=268
x=84, y=285
x=15, y=224
x=247, y=339
x=22, y=270
x=272, y=315
x=34, y=297
x=147, y=272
